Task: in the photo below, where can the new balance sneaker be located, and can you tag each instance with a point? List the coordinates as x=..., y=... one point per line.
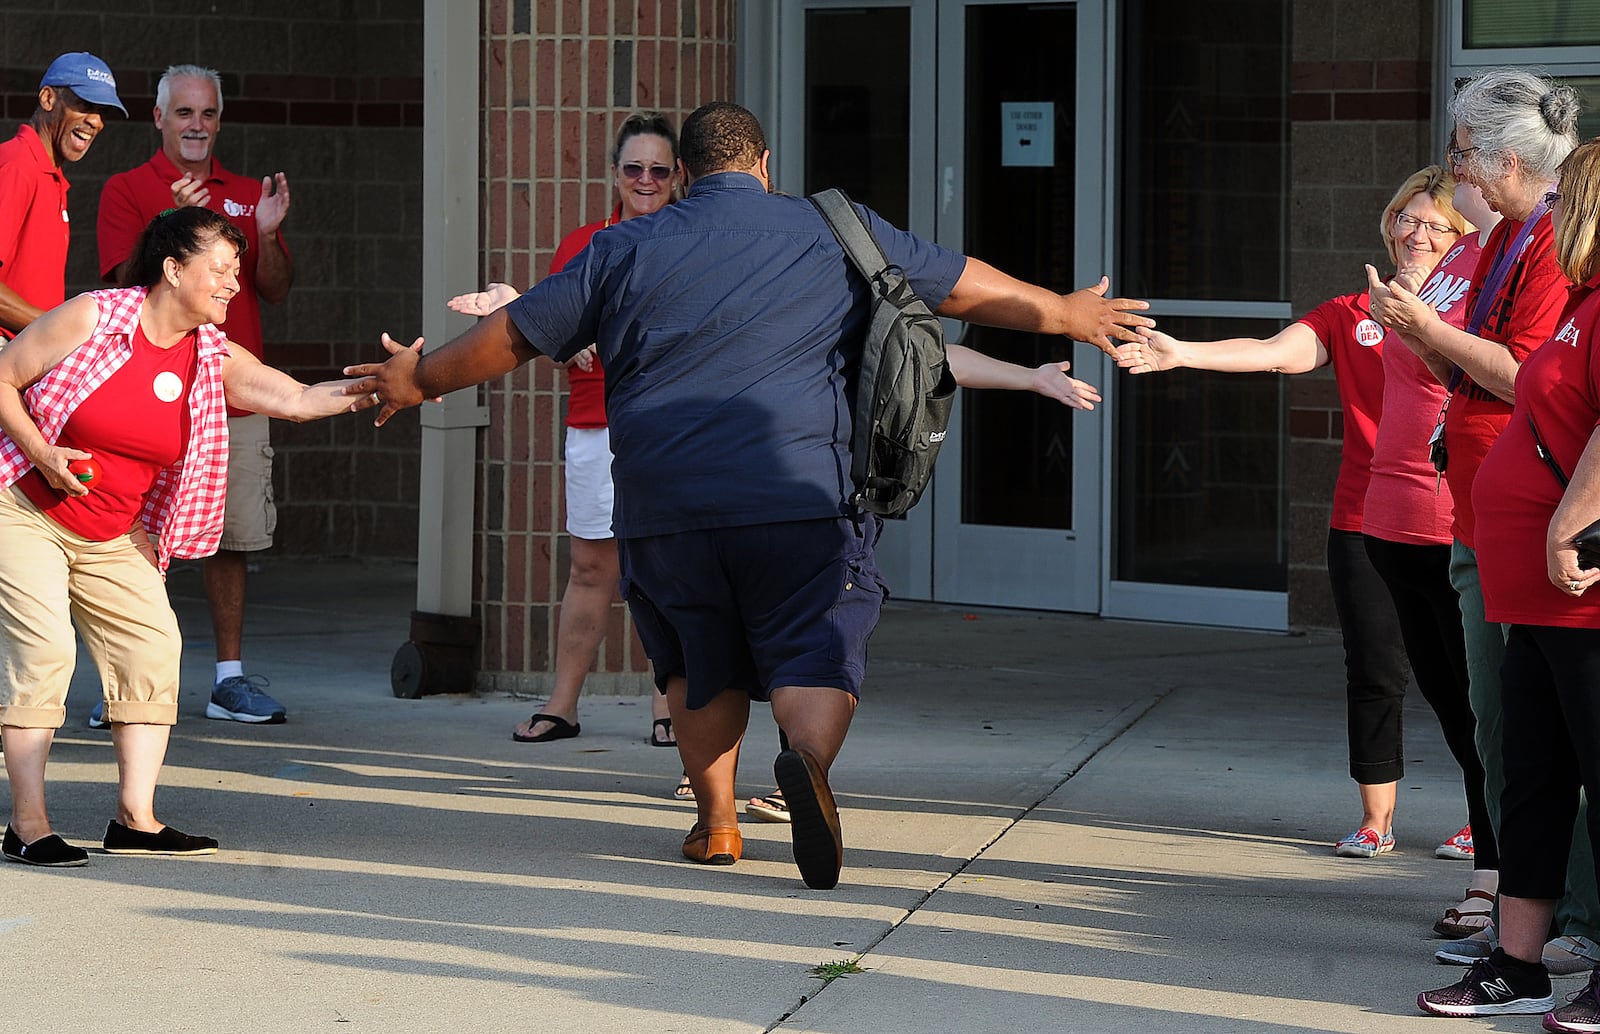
x=1458, y=847
x=240, y=699
x=1581, y=1014
x=1472, y=949
x=1365, y=842
x=97, y=716
x=1496, y=986
x=1569, y=954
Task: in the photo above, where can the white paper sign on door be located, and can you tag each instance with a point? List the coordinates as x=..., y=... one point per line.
x=1027, y=134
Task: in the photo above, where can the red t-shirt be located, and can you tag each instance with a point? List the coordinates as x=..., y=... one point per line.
x=1355, y=348
x=1516, y=493
x=586, y=407
x=1522, y=317
x=130, y=199
x=1406, y=502
x=136, y=424
x=33, y=222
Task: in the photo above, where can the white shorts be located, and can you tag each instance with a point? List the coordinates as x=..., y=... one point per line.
x=589, y=490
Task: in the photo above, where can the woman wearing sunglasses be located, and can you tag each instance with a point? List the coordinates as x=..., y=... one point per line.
x=644, y=167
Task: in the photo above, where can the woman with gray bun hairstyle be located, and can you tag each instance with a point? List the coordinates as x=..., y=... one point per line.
x=1512, y=129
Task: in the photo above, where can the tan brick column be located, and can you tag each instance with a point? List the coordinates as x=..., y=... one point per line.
x=559, y=77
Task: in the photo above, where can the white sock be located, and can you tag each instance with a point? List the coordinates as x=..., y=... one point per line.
x=228, y=670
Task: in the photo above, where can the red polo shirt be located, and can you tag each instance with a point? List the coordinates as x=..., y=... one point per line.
x=33, y=222
x=131, y=199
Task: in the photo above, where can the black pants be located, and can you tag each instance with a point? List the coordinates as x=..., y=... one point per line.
x=1429, y=611
x=1374, y=662
x=1551, y=681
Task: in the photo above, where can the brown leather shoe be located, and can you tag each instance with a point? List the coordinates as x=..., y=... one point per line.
x=714, y=845
x=814, y=826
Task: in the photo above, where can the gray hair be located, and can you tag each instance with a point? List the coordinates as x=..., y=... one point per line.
x=164, y=87
x=1514, y=111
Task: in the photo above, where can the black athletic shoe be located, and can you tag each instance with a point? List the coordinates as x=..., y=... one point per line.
x=50, y=851
x=1495, y=986
x=122, y=840
x=1581, y=1014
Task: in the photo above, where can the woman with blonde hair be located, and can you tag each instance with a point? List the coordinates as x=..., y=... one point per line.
x=1389, y=536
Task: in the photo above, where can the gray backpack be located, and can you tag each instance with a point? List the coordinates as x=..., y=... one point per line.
x=904, y=388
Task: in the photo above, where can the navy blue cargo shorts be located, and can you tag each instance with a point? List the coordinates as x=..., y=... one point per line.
x=756, y=607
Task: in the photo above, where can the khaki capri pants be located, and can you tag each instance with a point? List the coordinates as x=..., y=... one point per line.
x=51, y=579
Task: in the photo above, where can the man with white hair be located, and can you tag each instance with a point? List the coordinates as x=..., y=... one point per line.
x=188, y=113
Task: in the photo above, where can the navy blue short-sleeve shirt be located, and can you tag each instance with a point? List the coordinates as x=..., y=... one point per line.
x=730, y=328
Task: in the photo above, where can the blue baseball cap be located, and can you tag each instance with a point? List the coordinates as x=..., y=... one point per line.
x=87, y=76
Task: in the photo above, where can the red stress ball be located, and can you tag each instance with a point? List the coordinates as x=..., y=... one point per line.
x=86, y=471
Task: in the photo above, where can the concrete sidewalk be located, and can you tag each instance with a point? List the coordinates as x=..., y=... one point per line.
x=1051, y=823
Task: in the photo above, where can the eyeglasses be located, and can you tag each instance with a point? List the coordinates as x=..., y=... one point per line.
x=1458, y=155
x=1550, y=199
x=633, y=171
x=1407, y=224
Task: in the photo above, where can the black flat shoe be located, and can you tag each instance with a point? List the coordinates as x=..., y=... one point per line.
x=122, y=840
x=51, y=851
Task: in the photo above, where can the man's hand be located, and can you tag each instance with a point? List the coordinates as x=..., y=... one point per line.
x=1051, y=381
x=392, y=383
x=189, y=192
x=1154, y=352
x=1101, y=321
x=482, y=303
x=274, y=204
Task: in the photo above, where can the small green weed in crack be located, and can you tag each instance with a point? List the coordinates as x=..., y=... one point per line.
x=828, y=972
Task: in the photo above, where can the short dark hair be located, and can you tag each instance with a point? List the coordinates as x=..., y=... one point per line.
x=721, y=136
x=651, y=123
x=181, y=234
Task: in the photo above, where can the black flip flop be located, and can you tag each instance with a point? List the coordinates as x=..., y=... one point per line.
x=665, y=725
x=560, y=729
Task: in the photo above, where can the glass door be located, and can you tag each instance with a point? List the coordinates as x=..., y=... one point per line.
x=1021, y=165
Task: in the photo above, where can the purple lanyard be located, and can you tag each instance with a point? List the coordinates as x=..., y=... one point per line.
x=1492, y=282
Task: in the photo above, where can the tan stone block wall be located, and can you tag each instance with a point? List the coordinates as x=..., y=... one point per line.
x=1361, y=105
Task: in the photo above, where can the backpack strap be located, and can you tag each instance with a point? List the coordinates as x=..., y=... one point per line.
x=861, y=248
x=852, y=233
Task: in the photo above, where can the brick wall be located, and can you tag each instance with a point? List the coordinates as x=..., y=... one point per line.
x=331, y=95
x=1361, y=105
x=559, y=78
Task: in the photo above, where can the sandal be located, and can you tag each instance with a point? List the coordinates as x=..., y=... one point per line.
x=683, y=791
x=1464, y=922
x=661, y=733
x=771, y=808
x=560, y=729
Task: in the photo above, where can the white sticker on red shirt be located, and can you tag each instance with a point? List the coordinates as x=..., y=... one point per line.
x=168, y=386
x=1368, y=333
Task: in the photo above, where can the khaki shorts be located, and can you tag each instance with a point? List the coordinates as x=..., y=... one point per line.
x=250, y=517
x=51, y=579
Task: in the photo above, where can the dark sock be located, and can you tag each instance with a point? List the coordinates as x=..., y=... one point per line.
x=1510, y=963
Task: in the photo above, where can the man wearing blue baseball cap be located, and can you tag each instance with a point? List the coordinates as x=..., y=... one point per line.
x=76, y=95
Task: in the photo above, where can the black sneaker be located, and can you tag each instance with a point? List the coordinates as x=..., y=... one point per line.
x=1581, y=1013
x=1495, y=986
x=122, y=840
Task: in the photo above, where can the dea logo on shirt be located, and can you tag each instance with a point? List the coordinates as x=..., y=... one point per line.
x=167, y=386
x=1368, y=333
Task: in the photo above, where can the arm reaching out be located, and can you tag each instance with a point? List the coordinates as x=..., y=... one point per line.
x=1294, y=349
x=985, y=295
x=976, y=370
